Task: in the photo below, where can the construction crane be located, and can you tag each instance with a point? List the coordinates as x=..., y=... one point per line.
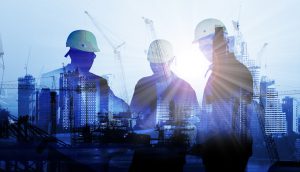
x=260, y=54
x=27, y=61
x=2, y=66
x=150, y=26
x=27, y=87
x=116, y=49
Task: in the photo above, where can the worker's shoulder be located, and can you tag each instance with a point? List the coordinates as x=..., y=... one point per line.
x=92, y=75
x=147, y=80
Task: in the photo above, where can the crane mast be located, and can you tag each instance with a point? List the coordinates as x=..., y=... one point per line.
x=2, y=66
x=150, y=26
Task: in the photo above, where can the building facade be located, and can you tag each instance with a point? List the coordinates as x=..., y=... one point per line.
x=81, y=100
x=275, y=118
x=290, y=108
x=26, y=96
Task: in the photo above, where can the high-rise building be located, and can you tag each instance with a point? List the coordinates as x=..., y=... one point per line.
x=81, y=100
x=275, y=119
x=298, y=116
x=47, y=110
x=162, y=111
x=26, y=96
x=289, y=107
x=44, y=111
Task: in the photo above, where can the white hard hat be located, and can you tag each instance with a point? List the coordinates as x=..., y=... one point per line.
x=207, y=27
x=82, y=40
x=160, y=51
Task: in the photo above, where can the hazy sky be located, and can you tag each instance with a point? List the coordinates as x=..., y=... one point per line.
x=44, y=25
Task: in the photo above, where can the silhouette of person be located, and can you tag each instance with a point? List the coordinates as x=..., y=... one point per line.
x=159, y=99
x=4, y=122
x=226, y=139
x=158, y=159
x=81, y=92
x=153, y=94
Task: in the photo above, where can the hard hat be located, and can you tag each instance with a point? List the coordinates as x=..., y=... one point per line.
x=207, y=27
x=160, y=51
x=82, y=40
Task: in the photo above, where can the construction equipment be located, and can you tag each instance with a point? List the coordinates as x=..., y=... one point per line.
x=20, y=128
x=27, y=61
x=116, y=49
x=2, y=66
x=151, y=36
x=150, y=26
x=259, y=57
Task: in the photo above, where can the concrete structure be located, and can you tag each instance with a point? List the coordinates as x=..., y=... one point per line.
x=26, y=95
x=47, y=110
x=290, y=107
x=81, y=100
x=275, y=119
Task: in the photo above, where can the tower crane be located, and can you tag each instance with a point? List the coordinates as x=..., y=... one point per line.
x=26, y=64
x=2, y=66
x=260, y=54
x=116, y=49
x=150, y=27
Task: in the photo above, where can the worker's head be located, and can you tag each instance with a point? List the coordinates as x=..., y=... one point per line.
x=83, y=45
x=205, y=34
x=160, y=56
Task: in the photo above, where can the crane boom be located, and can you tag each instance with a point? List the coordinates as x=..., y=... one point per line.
x=113, y=46
x=2, y=66
x=99, y=29
x=150, y=26
x=260, y=53
x=116, y=51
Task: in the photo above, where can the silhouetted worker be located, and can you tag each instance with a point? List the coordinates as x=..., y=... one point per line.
x=81, y=92
x=227, y=144
x=153, y=94
x=159, y=99
x=4, y=123
x=160, y=159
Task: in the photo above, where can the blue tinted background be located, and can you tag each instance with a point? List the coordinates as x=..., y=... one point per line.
x=41, y=28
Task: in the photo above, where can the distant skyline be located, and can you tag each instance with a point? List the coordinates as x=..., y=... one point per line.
x=39, y=29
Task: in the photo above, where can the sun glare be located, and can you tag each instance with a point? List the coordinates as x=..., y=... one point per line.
x=190, y=63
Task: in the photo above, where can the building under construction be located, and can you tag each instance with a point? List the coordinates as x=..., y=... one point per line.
x=82, y=99
x=275, y=119
x=26, y=95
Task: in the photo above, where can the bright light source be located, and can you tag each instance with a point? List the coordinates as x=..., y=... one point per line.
x=190, y=64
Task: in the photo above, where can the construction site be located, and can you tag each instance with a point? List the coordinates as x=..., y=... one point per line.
x=128, y=118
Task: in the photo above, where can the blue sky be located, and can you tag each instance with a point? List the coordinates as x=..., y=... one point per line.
x=44, y=25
